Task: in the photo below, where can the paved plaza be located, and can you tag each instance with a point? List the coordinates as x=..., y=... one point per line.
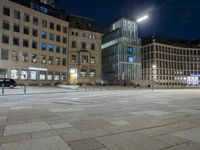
x=101, y=120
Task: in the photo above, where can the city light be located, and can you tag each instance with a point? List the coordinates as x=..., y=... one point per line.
x=142, y=18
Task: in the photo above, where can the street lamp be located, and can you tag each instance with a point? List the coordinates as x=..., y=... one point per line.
x=141, y=19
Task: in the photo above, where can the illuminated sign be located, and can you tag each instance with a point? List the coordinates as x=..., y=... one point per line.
x=38, y=69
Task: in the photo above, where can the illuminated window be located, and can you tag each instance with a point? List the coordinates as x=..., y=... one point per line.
x=44, y=34
x=51, y=48
x=24, y=75
x=14, y=73
x=15, y=56
x=43, y=46
x=25, y=57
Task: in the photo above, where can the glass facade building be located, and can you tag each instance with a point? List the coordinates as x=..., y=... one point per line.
x=121, y=57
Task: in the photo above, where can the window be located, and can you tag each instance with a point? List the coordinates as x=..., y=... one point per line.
x=73, y=58
x=43, y=59
x=92, y=73
x=4, y=54
x=74, y=33
x=84, y=59
x=92, y=60
x=6, y=25
x=83, y=72
x=33, y=75
x=51, y=48
x=6, y=11
x=44, y=23
x=58, y=28
x=44, y=34
x=35, y=32
x=16, y=28
x=14, y=74
x=50, y=62
x=5, y=39
x=35, y=20
x=25, y=43
x=64, y=40
x=43, y=46
x=24, y=75
x=26, y=18
x=58, y=61
x=16, y=41
x=51, y=36
x=83, y=45
x=73, y=44
x=63, y=76
x=15, y=56
x=26, y=30
x=16, y=14
x=64, y=50
x=64, y=62
x=92, y=46
x=57, y=76
x=42, y=75
x=51, y=25
x=25, y=57
x=65, y=29
x=57, y=49
x=58, y=38
x=34, y=44
x=50, y=75
x=34, y=58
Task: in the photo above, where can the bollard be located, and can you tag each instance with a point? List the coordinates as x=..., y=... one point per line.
x=2, y=88
x=25, y=89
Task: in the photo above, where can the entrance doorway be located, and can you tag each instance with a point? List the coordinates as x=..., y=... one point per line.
x=73, y=76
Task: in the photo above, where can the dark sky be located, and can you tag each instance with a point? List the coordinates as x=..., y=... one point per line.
x=168, y=18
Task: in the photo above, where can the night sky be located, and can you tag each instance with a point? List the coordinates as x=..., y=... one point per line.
x=168, y=18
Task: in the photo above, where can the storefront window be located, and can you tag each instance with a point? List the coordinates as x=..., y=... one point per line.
x=50, y=76
x=57, y=76
x=33, y=75
x=14, y=74
x=42, y=75
x=63, y=77
x=24, y=75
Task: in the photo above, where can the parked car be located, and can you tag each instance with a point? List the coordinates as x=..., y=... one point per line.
x=8, y=82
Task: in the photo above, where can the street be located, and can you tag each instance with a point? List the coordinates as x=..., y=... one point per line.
x=101, y=120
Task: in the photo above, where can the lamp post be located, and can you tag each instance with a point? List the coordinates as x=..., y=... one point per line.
x=152, y=75
x=143, y=18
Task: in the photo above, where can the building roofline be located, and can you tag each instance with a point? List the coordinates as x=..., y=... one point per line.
x=185, y=43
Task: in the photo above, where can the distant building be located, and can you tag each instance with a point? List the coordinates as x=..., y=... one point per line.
x=171, y=62
x=84, y=55
x=42, y=44
x=121, y=57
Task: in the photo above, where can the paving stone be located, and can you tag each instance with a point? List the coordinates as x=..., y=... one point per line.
x=171, y=140
x=84, y=135
x=28, y=127
x=61, y=125
x=86, y=144
x=50, y=143
x=120, y=123
x=93, y=124
x=3, y=118
x=54, y=132
x=130, y=141
x=185, y=146
x=21, y=107
x=151, y=112
x=190, y=134
x=14, y=138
